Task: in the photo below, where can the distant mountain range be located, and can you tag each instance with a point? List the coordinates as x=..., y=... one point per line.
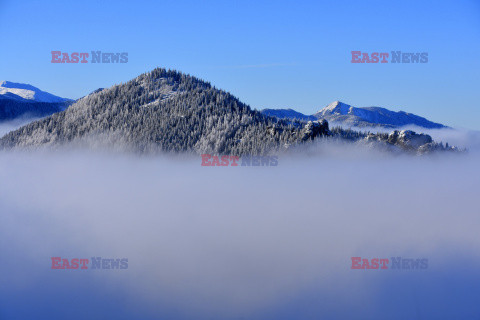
x=170, y=111
x=288, y=114
x=17, y=99
x=339, y=113
x=27, y=93
x=24, y=100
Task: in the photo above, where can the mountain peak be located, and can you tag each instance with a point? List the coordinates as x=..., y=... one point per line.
x=337, y=107
x=16, y=85
x=341, y=113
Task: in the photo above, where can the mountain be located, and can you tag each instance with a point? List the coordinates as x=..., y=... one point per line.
x=170, y=111
x=346, y=115
x=287, y=114
x=27, y=93
x=159, y=110
x=339, y=113
x=23, y=100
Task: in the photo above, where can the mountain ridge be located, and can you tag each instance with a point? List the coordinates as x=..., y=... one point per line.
x=27, y=93
x=288, y=114
x=171, y=111
x=20, y=100
x=339, y=113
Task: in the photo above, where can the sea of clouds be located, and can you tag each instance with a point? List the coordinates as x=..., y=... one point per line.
x=459, y=137
x=239, y=242
x=7, y=126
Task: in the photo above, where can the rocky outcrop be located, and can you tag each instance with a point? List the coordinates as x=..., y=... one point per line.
x=433, y=147
x=409, y=139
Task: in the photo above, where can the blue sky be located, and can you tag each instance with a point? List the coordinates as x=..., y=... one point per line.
x=282, y=54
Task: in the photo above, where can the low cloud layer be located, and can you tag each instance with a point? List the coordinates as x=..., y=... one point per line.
x=7, y=126
x=462, y=138
x=239, y=243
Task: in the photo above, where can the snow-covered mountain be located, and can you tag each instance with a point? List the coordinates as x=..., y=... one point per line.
x=168, y=111
x=339, y=113
x=19, y=100
x=27, y=93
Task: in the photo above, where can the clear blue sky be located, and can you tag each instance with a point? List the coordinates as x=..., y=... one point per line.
x=270, y=54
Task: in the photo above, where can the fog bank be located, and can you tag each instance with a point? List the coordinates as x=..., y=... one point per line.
x=239, y=242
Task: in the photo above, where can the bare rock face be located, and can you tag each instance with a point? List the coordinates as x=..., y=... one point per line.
x=409, y=139
x=314, y=129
